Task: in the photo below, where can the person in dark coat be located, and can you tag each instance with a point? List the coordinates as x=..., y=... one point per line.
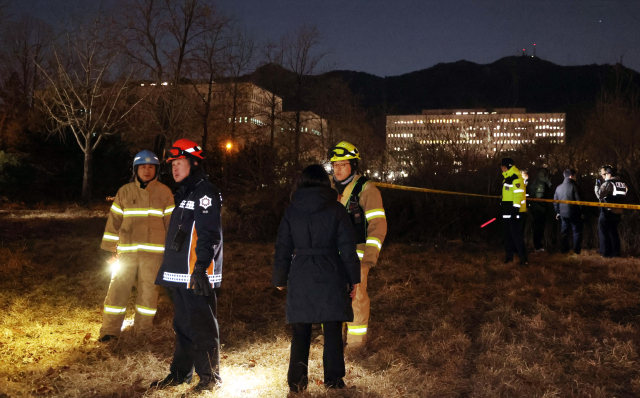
x=570, y=215
x=316, y=260
x=540, y=188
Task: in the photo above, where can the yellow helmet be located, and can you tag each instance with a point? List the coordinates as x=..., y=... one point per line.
x=343, y=151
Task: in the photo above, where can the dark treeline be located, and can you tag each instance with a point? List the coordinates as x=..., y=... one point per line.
x=77, y=101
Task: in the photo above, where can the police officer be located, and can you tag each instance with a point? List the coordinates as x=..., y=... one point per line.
x=514, y=204
x=364, y=205
x=135, y=232
x=612, y=190
x=192, y=266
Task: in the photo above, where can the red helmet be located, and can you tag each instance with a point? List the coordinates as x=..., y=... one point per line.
x=185, y=148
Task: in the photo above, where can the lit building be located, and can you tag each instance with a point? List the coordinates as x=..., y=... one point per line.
x=313, y=129
x=486, y=131
x=247, y=109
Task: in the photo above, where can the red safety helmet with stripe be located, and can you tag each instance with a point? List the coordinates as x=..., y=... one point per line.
x=185, y=148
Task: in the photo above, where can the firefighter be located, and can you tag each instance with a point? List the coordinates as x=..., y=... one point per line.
x=514, y=204
x=364, y=205
x=191, y=268
x=135, y=233
x=612, y=190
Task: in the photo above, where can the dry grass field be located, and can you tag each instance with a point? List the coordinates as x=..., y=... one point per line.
x=447, y=321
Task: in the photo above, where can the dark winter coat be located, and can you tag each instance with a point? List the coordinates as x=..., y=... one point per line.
x=568, y=190
x=197, y=213
x=540, y=188
x=316, y=257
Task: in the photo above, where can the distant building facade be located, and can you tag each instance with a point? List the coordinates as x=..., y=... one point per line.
x=490, y=131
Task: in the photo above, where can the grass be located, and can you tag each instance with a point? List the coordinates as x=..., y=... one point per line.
x=447, y=321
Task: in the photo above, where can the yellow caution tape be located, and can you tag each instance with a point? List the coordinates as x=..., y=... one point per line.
x=402, y=187
x=570, y=202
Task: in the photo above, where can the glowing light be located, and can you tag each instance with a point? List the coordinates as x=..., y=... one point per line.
x=229, y=146
x=115, y=267
x=127, y=324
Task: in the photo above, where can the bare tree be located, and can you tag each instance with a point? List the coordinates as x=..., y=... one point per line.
x=301, y=56
x=25, y=44
x=615, y=126
x=239, y=59
x=164, y=36
x=86, y=92
x=206, y=62
x=272, y=66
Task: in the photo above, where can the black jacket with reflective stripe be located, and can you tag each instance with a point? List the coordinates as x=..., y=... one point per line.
x=197, y=213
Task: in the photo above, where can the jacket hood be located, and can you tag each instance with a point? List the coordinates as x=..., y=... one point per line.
x=311, y=200
x=512, y=170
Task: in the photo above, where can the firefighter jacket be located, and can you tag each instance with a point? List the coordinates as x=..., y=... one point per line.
x=612, y=191
x=196, y=222
x=371, y=225
x=514, y=199
x=139, y=219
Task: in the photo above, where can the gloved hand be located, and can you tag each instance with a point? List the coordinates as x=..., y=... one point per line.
x=199, y=281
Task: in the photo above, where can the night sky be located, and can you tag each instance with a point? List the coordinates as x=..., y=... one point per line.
x=396, y=37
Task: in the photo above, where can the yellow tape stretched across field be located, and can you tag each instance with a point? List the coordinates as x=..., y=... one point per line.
x=570, y=202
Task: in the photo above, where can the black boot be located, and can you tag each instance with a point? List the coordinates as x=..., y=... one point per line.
x=169, y=381
x=207, y=384
x=339, y=383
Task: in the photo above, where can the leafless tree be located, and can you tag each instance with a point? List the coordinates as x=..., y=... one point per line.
x=206, y=63
x=615, y=127
x=272, y=67
x=87, y=89
x=25, y=43
x=164, y=35
x=239, y=59
x=301, y=55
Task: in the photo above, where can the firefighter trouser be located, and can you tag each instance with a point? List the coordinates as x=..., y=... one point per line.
x=357, y=330
x=197, y=336
x=145, y=267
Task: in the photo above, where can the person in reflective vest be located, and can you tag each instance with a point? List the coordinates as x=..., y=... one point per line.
x=191, y=269
x=612, y=190
x=514, y=204
x=364, y=205
x=135, y=233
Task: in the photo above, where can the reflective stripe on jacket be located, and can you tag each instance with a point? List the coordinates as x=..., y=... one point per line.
x=514, y=198
x=197, y=215
x=138, y=219
x=371, y=203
